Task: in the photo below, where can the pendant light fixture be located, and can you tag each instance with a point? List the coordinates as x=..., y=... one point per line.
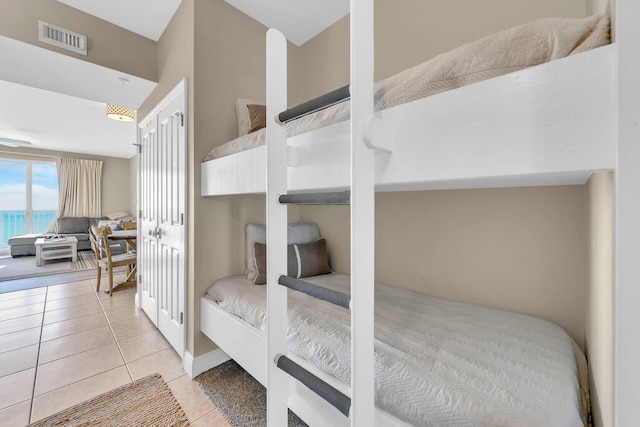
x=120, y=114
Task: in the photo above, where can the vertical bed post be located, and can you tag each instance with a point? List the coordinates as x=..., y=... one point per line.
x=362, y=216
x=627, y=212
x=277, y=380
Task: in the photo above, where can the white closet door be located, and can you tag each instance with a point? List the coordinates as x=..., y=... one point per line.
x=148, y=265
x=162, y=232
x=170, y=238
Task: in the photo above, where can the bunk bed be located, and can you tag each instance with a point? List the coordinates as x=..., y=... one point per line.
x=437, y=361
x=551, y=124
x=535, y=126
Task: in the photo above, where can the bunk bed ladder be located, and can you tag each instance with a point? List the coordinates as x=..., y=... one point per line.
x=360, y=406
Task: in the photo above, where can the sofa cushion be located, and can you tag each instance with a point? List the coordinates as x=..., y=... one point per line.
x=80, y=236
x=23, y=250
x=71, y=225
x=24, y=239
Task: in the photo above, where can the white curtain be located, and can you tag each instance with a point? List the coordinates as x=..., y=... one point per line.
x=79, y=184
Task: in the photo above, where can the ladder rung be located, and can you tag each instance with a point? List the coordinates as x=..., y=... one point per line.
x=320, y=292
x=334, y=198
x=336, y=398
x=315, y=104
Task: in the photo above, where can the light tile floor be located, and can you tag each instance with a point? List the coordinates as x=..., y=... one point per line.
x=63, y=344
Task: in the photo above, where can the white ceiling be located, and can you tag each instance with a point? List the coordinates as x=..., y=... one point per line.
x=60, y=106
x=148, y=18
x=59, y=122
x=298, y=20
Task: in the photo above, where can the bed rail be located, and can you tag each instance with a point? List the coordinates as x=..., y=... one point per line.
x=334, y=198
x=337, y=399
x=320, y=292
x=316, y=104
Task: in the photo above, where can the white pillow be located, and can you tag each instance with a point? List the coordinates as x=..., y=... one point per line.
x=302, y=232
x=242, y=114
x=116, y=215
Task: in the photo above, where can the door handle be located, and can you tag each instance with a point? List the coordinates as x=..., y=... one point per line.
x=156, y=232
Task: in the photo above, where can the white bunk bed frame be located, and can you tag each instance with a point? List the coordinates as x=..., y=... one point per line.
x=552, y=124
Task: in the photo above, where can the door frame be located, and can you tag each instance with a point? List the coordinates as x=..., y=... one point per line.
x=181, y=89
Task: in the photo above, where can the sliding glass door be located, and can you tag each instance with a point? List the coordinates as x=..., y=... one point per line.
x=28, y=197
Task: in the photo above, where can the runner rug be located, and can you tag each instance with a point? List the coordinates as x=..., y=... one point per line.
x=21, y=267
x=145, y=402
x=240, y=398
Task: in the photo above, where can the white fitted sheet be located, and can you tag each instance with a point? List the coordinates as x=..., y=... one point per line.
x=438, y=362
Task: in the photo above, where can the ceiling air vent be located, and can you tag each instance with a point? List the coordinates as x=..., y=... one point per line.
x=61, y=37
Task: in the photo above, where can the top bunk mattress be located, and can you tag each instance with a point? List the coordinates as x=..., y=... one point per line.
x=510, y=50
x=437, y=362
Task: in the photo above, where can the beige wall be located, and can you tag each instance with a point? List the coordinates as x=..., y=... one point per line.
x=520, y=249
x=115, y=174
x=599, y=316
x=229, y=63
x=133, y=185
x=409, y=32
x=108, y=45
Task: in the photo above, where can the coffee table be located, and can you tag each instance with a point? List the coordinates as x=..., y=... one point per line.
x=56, y=248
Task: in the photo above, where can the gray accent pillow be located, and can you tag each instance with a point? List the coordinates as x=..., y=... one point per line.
x=302, y=232
x=303, y=260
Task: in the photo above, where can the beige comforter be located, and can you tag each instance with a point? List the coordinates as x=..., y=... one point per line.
x=510, y=50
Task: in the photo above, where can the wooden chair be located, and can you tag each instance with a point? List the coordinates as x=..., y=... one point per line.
x=129, y=225
x=104, y=259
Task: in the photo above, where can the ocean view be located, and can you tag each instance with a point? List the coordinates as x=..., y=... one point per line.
x=14, y=222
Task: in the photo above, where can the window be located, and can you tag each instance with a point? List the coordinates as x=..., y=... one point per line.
x=29, y=198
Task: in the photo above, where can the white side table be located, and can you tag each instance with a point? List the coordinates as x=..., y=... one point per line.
x=56, y=248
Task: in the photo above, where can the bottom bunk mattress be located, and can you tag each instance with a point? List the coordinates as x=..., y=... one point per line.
x=438, y=362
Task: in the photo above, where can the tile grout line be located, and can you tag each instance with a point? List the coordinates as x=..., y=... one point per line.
x=26, y=315
x=35, y=375
x=74, y=333
x=126, y=364
x=77, y=353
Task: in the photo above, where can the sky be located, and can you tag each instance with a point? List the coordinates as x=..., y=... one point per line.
x=12, y=186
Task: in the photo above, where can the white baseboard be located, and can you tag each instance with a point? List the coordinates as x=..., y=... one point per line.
x=137, y=300
x=194, y=367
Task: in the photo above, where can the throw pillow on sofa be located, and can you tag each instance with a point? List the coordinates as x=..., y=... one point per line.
x=73, y=225
x=114, y=225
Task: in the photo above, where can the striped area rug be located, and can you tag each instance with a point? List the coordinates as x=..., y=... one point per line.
x=86, y=261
